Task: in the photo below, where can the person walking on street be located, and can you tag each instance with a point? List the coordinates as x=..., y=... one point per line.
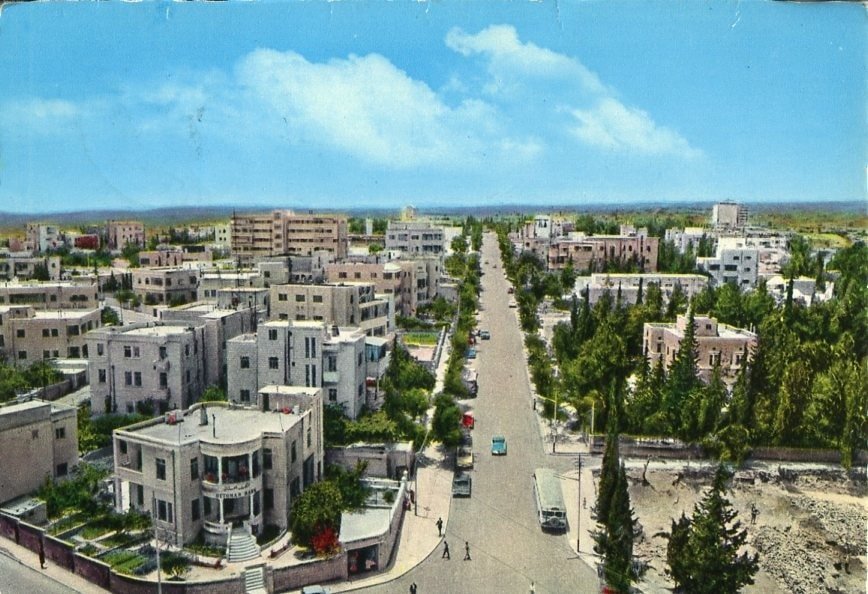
x=445, y=551
x=466, y=551
x=439, y=526
x=413, y=588
x=41, y=555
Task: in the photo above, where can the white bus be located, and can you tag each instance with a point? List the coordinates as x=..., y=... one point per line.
x=549, y=500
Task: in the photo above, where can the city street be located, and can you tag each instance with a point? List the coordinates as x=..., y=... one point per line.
x=508, y=549
x=17, y=578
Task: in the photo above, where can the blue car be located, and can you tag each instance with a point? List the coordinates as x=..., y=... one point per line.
x=498, y=445
x=471, y=353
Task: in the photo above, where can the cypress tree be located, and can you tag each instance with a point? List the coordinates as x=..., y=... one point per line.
x=682, y=374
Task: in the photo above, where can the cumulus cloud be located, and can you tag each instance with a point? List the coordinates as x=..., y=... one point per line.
x=365, y=106
x=604, y=121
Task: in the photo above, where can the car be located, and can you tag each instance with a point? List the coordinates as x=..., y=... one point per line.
x=510, y=290
x=512, y=303
x=485, y=335
x=464, y=458
x=471, y=353
x=498, y=445
x=462, y=485
x=315, y=590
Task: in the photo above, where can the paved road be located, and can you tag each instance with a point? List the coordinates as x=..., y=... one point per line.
x=16, y=578
x=508, y=549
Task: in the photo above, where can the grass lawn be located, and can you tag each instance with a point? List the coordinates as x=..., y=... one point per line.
x=125, y=561
x=421, y=338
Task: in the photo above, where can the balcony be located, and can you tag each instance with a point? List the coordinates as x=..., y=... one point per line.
x=162, y=365
x=331, y=377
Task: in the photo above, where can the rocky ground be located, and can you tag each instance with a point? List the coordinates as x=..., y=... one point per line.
x=810, y=531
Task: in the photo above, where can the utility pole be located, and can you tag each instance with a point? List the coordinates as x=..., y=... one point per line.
x=156, y=543
x=579, y=506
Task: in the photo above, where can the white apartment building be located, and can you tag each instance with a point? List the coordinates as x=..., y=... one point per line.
x=414, y=238
x=38, y=440
x=163, y=365
x=165, y=285
x=28, y=335
x=22, y=266
x=341, y=304
x=732, y=263
x=123, y=233
x=717, y=344
x=729, y=214
x=215, y=466
x=223, y=236
x=629, y=284
x=306, y=353
x=44, y=237
x=51, y=295
x=689, y=237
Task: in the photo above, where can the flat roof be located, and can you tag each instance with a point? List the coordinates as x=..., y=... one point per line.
x=12, y=409
x=52, y=314
x=157, y=331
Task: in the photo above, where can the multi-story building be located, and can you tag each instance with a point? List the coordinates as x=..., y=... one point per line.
x=38, y=440
x=594, y=252
x=211, y=282
x=414, y=238
x=28, y=335
x=215, y=466
x=44, y=237
x=23, y=266
x=717, y=344
x=120, y=234
x=220, y=326
x=307, y=353
x=165, y=285
x=411, y=282
x=342, y=304
x=733, y=262
x=689, y=237
x=51, y=295
x=729, y=215
x=629, y=285
x=285, y=232
x=223, y=236
x=174, y=257
x=157, y=365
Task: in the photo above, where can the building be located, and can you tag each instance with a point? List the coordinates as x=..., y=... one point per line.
x=23, y=266
x=174, y=257
x=120, y=234
x=210, y=283
x=596, y=252
x=311, y=354
x=729, y=215
x=44, y=237
x=223, y=236
x=51, y=295
x=688, y=238
x=215, y=466
x=285, y=232
x=629, y=284
x=343, y=304
x=39, y=440
x=28, y=335
x=146, y=366
x=733, y=262
x=717, y=344
x=414, y=238
x=411, y=282
x=165, y=285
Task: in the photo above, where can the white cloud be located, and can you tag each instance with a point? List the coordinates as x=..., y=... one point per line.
x=612, y=125
x=365, y=106
x=604, y=121
x=38, y=114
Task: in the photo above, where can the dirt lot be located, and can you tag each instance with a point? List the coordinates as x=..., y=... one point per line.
x=810, y=530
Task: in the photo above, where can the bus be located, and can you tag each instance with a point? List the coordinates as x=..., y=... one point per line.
x=549, y=500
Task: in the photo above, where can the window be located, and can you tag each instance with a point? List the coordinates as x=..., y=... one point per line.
x=194, y=468
x=293, y=454
x=128, y=378
x=194, y=509
x=164, y=379
x=45, y=333
x=22, y=355
x=299, y=298
x=272, y=334
x=273, y=363
x=136, y=352
x=332, y=363
x=164, y=511
x=186, y=350
x=359, y=364
x=163, y=352
x=333, y=394
x=317, y=298
x=266, y=458
x=140, y=493
x=268, y=498
x=245, y=362
x=281, y=296
x=207, y=506
x=62, y=469
x=128, y=352
x=122, y=446
x=361, y=390
x=308, y=437
x=100, y=348
x=244, y=396
x=60, y=433
x=20, y=333
x=137, y=378
x=34, y=434
x=161, y=469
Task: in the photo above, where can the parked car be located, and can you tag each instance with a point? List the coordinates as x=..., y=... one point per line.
x=462, y=485
x=471, y=353
x=498, y=445
x=464, y=458
x=512, y=303
x=315, y=590
x=510, y=290
x=485, y=335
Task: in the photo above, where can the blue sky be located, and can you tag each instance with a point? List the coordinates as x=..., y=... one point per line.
x=328, y=105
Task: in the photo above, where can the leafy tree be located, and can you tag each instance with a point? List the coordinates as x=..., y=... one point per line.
x=445, y=426
x=318, y=508
x=109, y=316
x=703, y=553
x=354, y=492
x=213, y=394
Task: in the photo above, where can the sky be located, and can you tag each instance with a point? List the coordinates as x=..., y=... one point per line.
x=376, y=104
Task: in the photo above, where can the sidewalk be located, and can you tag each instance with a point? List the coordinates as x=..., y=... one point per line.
x=54, y=572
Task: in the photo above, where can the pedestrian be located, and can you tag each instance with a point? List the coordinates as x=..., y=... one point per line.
x=754, y=512
x=439, y=526
x=466, y=551
x=41, y=555
x=445, y=551
x=532, y=588
x=413, y=588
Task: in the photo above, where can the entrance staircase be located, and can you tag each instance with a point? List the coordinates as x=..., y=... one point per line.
x=242, y=547
x=254, y=580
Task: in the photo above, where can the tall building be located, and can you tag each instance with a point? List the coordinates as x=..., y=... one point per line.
x=44, y=237
x=123, y=233
x=285, y=232
x=217, y=468
x=341, y=304
x=414, y=238
x=38, y=440
x=28, y=335
x=729, y=215
x=733, y=262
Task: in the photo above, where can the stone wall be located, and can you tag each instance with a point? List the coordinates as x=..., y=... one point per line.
x=315, y=572
x=96, y=572
x=59, y=552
